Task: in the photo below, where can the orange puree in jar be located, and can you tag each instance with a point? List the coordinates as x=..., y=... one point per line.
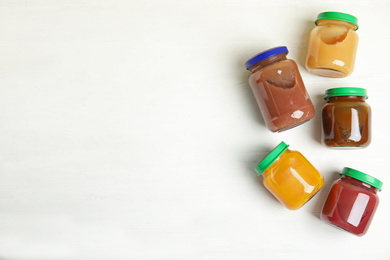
x=333, y=45
x=289, y=176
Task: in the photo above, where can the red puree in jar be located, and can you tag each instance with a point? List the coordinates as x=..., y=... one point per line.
x=279, y=90
x=352, y=201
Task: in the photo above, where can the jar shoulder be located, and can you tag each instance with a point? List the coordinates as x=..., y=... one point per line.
x=277, y=65
x=288, y=66
x=295, y=155
x=329, y=34
x=321, y=28
x=296, y=160
x=352, y=187
x=348, y=104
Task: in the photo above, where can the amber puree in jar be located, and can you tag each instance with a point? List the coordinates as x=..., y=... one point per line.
x=346, y=122
x=281, y=94
x=332, y=48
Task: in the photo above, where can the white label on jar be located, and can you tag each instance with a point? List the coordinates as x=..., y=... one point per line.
x=358, y=209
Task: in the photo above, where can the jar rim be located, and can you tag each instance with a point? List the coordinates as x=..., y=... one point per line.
x=338, y=16
x=271, y=158
x=337, y=92
x=361, y=176
x=264, y=55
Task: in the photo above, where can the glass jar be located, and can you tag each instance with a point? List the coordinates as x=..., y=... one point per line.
x=289, y=176
x=333, y=45
x=352, y=201
x=279, y=90
x=346, y=118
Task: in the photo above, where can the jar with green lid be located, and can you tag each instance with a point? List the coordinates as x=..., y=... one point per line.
x=333, y=45
x=346, y=118
x=289, y=176
x=352, y=201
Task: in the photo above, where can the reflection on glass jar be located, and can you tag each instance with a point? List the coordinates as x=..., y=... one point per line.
x=352, y=201
x=279, y=90
x=346, y=118
x=333, y=45
x=289, y=176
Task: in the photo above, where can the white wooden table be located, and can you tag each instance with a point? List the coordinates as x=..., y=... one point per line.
x=128, y=131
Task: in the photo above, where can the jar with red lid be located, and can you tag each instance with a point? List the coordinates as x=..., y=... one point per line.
x=352, y=201
x=279, y=90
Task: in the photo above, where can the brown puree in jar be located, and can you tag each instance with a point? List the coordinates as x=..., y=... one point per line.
x=346, y=122
x=280, y=93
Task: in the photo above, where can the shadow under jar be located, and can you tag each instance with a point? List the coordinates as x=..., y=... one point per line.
x=352, y=201
x=346, y=118
x=279, y=90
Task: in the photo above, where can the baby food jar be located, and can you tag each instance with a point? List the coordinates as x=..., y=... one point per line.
x=289, y=176
x=279, y=89
x=333, y=45
x=346, y=118
x=352, y=201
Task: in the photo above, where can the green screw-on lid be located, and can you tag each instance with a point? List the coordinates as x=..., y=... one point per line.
x=337, y=92
x=362, y=177
x=338, y=16
x=271, y=158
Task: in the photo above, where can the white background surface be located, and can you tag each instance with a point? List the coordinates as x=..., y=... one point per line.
x=128, y=131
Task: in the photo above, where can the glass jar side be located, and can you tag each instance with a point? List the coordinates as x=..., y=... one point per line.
x=310, y=178
x=269, y=180
x=332, y=49
x=346, y=122
x=281, y=95
x=293, y=180
x=350, y=205
x=361, y=184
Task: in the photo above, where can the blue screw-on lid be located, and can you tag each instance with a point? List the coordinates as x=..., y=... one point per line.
x=265, y=54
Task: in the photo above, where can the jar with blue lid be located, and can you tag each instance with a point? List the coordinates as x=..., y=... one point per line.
x=279, y=89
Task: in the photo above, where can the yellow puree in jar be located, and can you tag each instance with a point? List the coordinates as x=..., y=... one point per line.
x=332, y=48
x=292, y=179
